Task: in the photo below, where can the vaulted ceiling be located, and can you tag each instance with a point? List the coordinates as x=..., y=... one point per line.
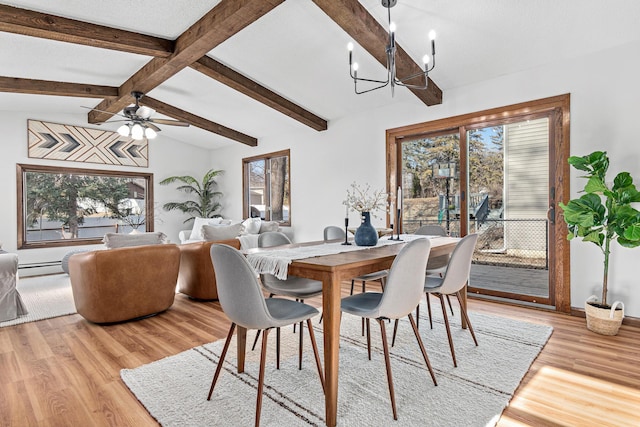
x=238, y=69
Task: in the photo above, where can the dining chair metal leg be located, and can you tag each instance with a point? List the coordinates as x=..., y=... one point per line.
x=255, y=340
x=277, y=348
x=387, y=362
x=414, y=326
x=300, y=348
x=263, y=359
x=450, y=306
x=395, y=331
x=429, y=310
x=418, y=315
x=352, y=284
x=221, y=361
x=312, y=336
x=368, y=338
x=446, y=324
x=466, y=317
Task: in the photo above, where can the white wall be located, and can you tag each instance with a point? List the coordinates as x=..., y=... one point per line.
x=166, y=157
x=604, y=111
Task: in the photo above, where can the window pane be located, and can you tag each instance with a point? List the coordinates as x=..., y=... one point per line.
x=280, y=189
x=257, y=188
x=430, y=182
x=72, y=206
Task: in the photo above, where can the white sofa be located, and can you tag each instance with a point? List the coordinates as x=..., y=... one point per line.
x=216, y=229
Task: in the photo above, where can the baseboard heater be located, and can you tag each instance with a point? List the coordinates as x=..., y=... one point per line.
x=39, y=264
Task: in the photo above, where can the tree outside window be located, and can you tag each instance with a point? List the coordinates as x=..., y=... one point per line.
x=266, y=184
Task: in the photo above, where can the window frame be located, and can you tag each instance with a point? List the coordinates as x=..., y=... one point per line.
x=22, y=169
x=246, y=184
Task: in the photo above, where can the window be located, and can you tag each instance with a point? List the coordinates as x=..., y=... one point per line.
x=267, y=187
x=66, y=207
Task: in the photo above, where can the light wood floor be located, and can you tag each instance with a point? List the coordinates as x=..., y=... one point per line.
x=65, y=371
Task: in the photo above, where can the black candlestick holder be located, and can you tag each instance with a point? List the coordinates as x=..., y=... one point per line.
x=398, y=213
x=346, y=232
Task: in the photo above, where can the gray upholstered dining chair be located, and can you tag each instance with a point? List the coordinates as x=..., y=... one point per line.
x=435, y=265
x=294, y=287
x=243, y=302
x=400, y=296
x=455, y=279
x=333, y=232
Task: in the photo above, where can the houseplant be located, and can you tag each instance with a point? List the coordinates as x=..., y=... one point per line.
x=365, y=201
x=600, y=216
x=206, y=204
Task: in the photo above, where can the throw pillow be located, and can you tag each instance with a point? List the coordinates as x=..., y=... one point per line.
x=115, y=240
x=269, y=226
x=251, y=225
x=221, y=232
x=196, y=231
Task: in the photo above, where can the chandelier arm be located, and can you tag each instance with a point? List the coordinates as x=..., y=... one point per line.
x=412, y=86
x=369, y=90
x=413, y=76
x=360, y=79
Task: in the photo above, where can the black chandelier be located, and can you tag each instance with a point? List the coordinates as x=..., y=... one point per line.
x=392, y=79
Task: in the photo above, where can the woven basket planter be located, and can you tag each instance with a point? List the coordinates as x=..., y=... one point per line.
x=604, y=321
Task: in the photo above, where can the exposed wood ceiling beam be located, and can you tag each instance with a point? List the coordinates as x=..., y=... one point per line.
x=216, y=70
x=48, y=87
x=178, y=114
x=216, y=26
x=353, y=18
x=36, y=24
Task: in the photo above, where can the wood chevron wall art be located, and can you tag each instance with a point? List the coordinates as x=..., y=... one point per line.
x=55, y=141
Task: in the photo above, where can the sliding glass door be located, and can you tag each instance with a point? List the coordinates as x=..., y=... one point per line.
x=499, y=173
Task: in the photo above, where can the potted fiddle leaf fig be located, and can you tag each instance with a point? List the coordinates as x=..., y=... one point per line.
x=603, y=214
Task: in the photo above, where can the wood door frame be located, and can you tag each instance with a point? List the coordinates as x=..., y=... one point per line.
x=558, y=111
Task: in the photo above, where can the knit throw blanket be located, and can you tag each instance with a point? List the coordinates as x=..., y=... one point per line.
x=276, y=261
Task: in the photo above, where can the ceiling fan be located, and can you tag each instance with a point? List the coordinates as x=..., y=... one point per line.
x=140, y=124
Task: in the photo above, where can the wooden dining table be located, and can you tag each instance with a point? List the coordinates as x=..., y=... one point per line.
x=332, y=270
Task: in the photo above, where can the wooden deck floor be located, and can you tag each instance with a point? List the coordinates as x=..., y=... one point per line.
x=524, y=281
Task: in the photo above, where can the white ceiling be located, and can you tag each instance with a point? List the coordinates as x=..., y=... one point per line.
x=298, y=52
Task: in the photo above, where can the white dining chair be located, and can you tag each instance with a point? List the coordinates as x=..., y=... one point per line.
x=243, y=302
x=400, y=296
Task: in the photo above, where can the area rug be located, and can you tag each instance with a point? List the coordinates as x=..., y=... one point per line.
x=174, y=389
x=45, y=297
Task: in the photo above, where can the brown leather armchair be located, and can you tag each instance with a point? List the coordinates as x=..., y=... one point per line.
x=121, y=284
x=196, y=278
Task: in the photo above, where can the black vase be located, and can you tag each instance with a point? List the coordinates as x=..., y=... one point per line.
x=366, y=234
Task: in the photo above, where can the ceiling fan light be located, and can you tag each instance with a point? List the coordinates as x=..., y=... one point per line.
x=137, y=132
x=144, y=112
x=150, y=133
x=124, y=130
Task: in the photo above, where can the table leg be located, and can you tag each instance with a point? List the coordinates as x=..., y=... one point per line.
x=242, y=346
x=331, y=328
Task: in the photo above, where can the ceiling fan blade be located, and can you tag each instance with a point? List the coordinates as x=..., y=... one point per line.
x=152, y=126
x=169, y=122
x=103, y=111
